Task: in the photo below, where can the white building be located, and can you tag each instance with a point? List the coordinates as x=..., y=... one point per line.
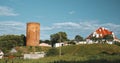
x=1, y=54
x=81, y=42
x=58, y=44
x=109, y=42
x=92, y=42
x=36, y=55
x=44, y=44
x=89, y=41
x=13, y=50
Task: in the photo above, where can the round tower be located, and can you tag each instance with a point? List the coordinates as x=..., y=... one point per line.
x=33, y=34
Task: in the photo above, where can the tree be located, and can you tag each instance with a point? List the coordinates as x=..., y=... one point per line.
x=22, y=40
x=9, y=41
x=62, y=36
x=41, y=41
x=78, y=38
x=108, y=37
x=96, y=39
x=58, y=37
x=45, y=41
x=54, y=39
x=93, y=39
x=52, y=52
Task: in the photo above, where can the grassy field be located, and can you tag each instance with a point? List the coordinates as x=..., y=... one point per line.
x=91, y=53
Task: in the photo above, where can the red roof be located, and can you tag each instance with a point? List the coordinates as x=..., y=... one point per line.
x=101, y=32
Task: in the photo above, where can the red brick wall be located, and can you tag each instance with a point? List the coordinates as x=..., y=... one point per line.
x=33, y=34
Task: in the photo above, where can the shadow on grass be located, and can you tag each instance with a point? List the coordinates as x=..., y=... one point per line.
x=89, y=61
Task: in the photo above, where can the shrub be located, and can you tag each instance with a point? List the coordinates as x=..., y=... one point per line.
x=73, y=43
x=117, y=43
x=52, y=52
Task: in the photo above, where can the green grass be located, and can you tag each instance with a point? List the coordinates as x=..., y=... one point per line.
x=69, y=59
x=90, y=53
x=90, y=49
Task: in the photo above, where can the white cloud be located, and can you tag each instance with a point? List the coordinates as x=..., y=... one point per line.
x=64, y=25
x=113, y=27
x=82, y=28
x=72, y=12
x=46, y=28
x=7, y=11
x=71, y=28
x=72, y=24
x=12, y=27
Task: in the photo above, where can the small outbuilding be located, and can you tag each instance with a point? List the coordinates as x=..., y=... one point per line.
x=44, y=44
x=1, y=54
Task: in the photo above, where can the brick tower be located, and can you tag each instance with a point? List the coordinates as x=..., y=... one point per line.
x=33, y=34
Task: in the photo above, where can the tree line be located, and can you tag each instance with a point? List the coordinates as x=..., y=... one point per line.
x=62, y=37
x=9, y=41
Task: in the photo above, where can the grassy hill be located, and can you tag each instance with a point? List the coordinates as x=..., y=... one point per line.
x=91, y=49
x=90, y=53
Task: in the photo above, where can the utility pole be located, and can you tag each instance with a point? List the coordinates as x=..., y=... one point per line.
x=60, y=44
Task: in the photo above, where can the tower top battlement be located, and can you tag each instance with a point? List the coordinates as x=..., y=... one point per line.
x=33, y=23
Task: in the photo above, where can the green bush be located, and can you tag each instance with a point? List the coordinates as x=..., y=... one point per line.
x=52, y=52
x=73, y=43
x=117, y=43
x=88, y=53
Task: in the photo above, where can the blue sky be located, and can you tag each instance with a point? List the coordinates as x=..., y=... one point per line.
x=75, y=17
